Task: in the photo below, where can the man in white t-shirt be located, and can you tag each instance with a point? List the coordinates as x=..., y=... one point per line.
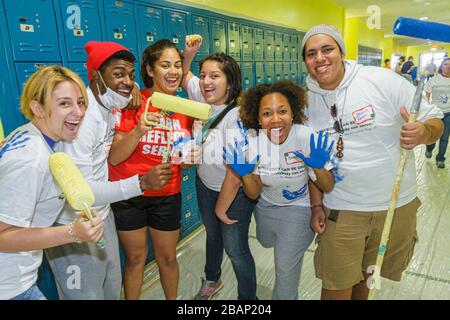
x=364, y=109
x=437, y=91
x=85, y=271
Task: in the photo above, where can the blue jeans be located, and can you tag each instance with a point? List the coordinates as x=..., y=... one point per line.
x=31, y=294
x=443, y=141
x=233, y=238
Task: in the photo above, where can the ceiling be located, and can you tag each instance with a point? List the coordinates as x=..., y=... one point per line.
x=435, y=10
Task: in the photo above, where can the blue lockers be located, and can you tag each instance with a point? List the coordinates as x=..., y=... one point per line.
x=269, y=42
x=278, y=46
x=247, y=43
x=120, y=24
x=151, y=26
x=248, y=75
x=176, y=27
x=259, y=73
x=218, y=35
x=259, y=46
x=200, y=25
x=234, y=40
x=81, y=23
x=32, y=30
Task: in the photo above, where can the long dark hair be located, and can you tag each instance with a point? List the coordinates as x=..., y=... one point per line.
x=231, y=69
x=152, y=54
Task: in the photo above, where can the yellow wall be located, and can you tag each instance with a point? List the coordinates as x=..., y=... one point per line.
x=356, y=33
x=351, y=35
x=388, y=48
x=415, y=51
x=300, y=15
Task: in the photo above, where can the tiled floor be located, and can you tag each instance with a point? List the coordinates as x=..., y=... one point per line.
x=428, y=275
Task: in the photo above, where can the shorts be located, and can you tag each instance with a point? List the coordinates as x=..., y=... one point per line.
x=160, y=213
x=349, y=245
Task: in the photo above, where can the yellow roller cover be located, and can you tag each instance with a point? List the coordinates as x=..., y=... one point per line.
x=179, y=105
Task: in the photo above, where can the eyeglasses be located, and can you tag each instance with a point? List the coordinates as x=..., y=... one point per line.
x=337, y=126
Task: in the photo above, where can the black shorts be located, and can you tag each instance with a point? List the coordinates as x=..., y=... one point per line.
x=160, y=213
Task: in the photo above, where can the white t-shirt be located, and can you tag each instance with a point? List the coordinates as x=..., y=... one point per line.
x=90, y=151
x=212, y=169
x=371, y=119
x=439, y=87
x=29, y=197
x=284, y=176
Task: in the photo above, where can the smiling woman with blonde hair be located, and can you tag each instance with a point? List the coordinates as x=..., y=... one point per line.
x=54, y=100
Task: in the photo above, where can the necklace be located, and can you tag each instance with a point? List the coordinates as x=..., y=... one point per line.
x=337, y=126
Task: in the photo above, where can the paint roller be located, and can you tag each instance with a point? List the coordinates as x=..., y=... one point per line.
x=168, y=103
x=424, y=30
x=75, y=188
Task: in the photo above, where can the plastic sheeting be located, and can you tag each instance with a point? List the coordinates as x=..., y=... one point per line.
x=427, y=277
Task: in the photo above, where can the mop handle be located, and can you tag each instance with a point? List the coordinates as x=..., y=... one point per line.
x=395, y=191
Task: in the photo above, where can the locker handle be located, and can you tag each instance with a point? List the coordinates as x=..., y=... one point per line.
x=22, y=19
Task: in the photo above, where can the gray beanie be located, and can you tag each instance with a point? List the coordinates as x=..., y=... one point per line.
x=327, y=30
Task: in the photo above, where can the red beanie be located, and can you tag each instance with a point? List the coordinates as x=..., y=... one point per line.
x=98, y=52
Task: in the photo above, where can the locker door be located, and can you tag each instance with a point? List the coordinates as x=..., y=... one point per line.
x=259, y=44
x=278, y=71
x=294, y=48
x=286, y=70
x=81, y=24
x=294, y=72
x=234, y=40
x=32, y=27
x=218, y=36
x=24, y=71
x=248, y=76
x=176, y=30
x=269, y=42
x=195, y=68
x=269, y=71
x=190, y=215
x=286, y=47
x=137, y=72
x=81, y=69
x=259, y=73
x=8, y=107
x=120, y=26
x=200, y=25
x=151, y=26
x=247, y=43
x=278, y=46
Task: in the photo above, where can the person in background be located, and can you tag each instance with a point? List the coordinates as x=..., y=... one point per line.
x=220, y=85
x=437, y=91
x=366, y=110
x=387, y=63
x=399, y=65
x=111, y=74
x=137, y=148
x=275, y=112
x=408, y=66
x=54, y=100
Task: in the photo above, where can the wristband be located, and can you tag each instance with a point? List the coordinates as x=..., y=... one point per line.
x=72, y=233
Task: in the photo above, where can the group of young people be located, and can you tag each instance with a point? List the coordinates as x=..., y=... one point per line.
x=303, y=164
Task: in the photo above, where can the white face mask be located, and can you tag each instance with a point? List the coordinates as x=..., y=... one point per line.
x=111, y=99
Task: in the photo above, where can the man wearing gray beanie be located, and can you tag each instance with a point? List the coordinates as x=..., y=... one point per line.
x=365, y=110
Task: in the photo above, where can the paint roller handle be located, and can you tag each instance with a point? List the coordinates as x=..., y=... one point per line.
x=101, y=243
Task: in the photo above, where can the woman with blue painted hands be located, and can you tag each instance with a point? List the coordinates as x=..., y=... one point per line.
x=220, y=85
x=285, y=158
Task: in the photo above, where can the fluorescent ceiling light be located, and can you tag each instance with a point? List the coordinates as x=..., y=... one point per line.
x=423, y=18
